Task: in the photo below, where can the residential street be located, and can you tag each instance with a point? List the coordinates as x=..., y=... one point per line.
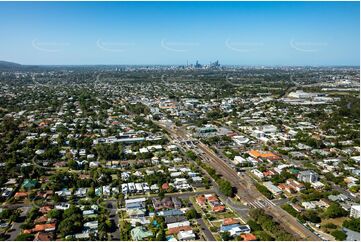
x=15, y=229
x=205, y=230
x=114, y=217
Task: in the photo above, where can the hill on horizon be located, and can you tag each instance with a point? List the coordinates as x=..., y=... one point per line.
x=7, y=65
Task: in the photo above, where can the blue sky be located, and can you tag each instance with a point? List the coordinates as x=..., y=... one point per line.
x=241, y=33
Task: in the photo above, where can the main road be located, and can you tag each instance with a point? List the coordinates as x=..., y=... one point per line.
x=246, y=190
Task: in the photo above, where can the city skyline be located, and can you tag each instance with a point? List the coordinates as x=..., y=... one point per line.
x=172, y=33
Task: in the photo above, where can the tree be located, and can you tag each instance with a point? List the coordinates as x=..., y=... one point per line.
x=191, y=155
x=214, y=114
x=339, y=235
x=287, y=207
x=225, y=187
x=262, y=189
x=206, y=182
x=125, y=228
x=27, y=225
x=192, y=214
x=55, y=213
x=24, y=237
x=161, y=194
x=334, y=211
x=70, y=225
x=91, y=192
x=264, y=236
x=226, y=236
x=355, y=189
x=254, y=226
x=71, y=211
x=72, y=221
x=56, y=198
x=15, y=215
x=311, y=216
x=5, y=214
x=269, y=225
x=280, y=178
x=138, y=108
x=72, y=164
x=161, y=235
x=353, y=224
x=10, y=124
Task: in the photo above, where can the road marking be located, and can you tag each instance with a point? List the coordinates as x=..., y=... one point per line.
x=270, y=202
x=256, y=204
x=260, y=203
x=253, y=204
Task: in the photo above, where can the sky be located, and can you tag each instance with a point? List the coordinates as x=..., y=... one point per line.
x=167, y=33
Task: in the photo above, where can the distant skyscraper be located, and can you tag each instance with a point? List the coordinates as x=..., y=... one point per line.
x=214, y=64
x=197, y=65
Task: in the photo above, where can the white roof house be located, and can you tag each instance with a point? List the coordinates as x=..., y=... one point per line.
x=186, y=235
x=179, y=224
x=238, y=160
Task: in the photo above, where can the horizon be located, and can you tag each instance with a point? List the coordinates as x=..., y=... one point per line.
x=176, y=33
x=179, y=65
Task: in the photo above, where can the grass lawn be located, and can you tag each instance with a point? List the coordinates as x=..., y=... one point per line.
x=195, y=205
x=201, y=189
x=336, y=221
x=217, y=237
x=227, y=214
x=216, y=224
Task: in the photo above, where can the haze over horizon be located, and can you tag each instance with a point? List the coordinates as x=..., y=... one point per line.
x=166, y=33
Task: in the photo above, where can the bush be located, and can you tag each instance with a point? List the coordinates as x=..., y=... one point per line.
x=355, y=189
x=25, y=237
x=335, y=211
x=264, y=236
x=226, y=236
x=262, y=189
x=330, y=226
x=339, y=235
x=214, y=229
x=311, y=216
x=192, y=214
x=289, y=209
x=191, y=155
x=353, y=224
x=254, y=226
